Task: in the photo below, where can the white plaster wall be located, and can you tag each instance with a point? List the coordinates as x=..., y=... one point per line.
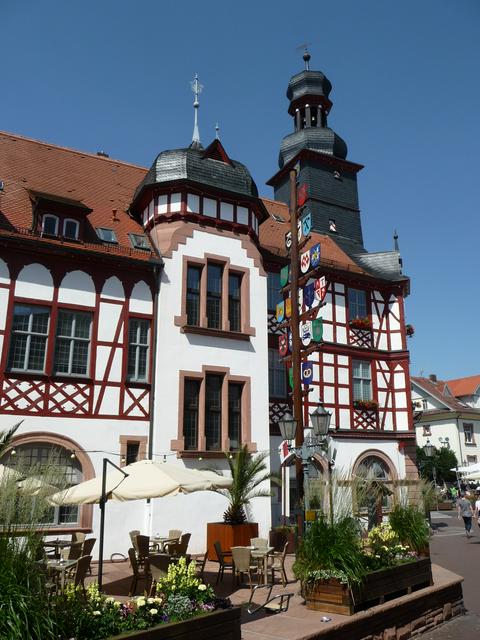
x=448, y=428
x=178, y=351
x=101, y=439
x=4, y=273
x=109, y=314
x=77, y=288
x=141, y=299
x=113, y=289
x=34, y=281
x=3, y=307
x=348, y=450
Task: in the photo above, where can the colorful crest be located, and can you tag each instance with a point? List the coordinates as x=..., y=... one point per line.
x=288, y=307
x=305, y=262
x=302, y=194
x=317, y=330
x=288, y=240
x=282, y=346
x=315, y=255
x=320, y=286
x=308, y=296
x=306, y=332
x=300, y=300
x=290, y=377
x=284, y=274
x=307, y=372
x=290, y=341
x=280, y=312
x=299, y=230
x=306, y=223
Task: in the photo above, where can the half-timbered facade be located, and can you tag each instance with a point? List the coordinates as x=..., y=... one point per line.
x=358, y=362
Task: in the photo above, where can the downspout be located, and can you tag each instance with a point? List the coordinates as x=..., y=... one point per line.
x=462, y=462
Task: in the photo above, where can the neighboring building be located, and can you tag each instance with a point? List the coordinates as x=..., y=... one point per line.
x=134, y=322
x=361, y=368
x=446, y=413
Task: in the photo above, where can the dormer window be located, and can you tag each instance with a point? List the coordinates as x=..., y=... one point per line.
x=70, y=229
x=50, y=225
x=107, y=235
x=139, y=241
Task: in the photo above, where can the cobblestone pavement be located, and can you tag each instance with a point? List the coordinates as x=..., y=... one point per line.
x=465, y=627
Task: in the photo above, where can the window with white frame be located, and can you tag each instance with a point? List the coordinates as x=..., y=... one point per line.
x=28, y=345
x=471, y=459
x=357, y=304
x=72, y=342
x=362, y=380
x=427, y=430
x=277, y=382
x=468, y=433
x=70, y=229
x=138, y=343
x=50, y=224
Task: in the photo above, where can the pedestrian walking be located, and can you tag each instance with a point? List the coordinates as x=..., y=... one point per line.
x=464, y=508
x=477, y=509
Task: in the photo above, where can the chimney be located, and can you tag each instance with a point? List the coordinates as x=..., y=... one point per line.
x=433, y=377
x=103, y=154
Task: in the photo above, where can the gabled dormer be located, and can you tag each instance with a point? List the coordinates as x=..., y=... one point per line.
x=54, y=216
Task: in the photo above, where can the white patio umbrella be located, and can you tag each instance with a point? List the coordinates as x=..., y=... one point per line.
x=141, y=480
x=472, y=476
x=473, y=468
x=137, y=481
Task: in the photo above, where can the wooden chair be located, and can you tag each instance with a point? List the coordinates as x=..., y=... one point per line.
x=278, y=564
x=200, y=562
x=242, y=562
x=87, y=550
x=159, y=564
x=73, y=552
x=133, y=538
x=222, y=557
x=139, y=573
x=174, y=534
x=80, y=572
x=143, y=548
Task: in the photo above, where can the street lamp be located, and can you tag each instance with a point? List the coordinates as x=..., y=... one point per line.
x=320, y=420
x=429, y=451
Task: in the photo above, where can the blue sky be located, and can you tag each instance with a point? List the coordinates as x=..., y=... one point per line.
x=114, y=75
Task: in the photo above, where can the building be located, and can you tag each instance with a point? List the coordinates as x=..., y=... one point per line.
x=447, y=414
x=138, y=315
x=361, y=366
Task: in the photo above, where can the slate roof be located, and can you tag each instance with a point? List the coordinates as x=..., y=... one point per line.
x=308, y=83
x=319, y=139
x=192, y=164
x=101, y=184
x=335, y=253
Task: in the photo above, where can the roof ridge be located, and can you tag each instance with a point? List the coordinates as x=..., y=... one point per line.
x=274, y=201
x=71, y=150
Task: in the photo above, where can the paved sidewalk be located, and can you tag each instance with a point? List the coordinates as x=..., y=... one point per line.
x=465, y=627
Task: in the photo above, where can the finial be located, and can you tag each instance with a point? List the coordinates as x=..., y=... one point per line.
x=217, y=131
x=306, y=57
x=395, y=240
x=197, y=90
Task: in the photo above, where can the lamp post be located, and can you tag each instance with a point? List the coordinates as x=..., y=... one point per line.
x=429, y=451
x=320, y=420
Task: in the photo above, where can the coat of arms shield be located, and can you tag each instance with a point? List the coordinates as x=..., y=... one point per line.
x=305, y=262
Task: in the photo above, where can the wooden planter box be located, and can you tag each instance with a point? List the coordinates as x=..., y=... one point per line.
x=334, y=597
x=229, y=535
x=445, y=506
x=223, y=624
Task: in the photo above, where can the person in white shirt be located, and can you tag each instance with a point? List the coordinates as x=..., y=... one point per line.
x=477, y=508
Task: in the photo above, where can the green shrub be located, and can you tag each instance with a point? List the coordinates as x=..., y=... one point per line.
x=410, y=525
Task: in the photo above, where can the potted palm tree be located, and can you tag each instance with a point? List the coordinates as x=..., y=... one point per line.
x=248, y=472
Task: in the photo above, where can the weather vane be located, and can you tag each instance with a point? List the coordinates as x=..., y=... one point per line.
x=197, y=90
x=306, y=55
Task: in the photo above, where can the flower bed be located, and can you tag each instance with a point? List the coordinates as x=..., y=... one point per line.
x=361, y=323
x=366, y=405
x=180, y=597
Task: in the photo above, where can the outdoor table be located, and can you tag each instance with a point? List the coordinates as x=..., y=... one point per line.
x=162, y=541
x=262, y=553
x=61, y=567
x=57, y=545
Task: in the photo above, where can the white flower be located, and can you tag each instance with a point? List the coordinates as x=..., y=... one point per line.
x=141, y=602
x=110, y=600
x=96, y=613
x=202, y=587
x=150, y=600
x=153, y=611
x=117, y=604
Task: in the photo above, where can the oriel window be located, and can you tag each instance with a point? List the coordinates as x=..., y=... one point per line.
x=362, y=380
x=357, y=304
x=193, y=295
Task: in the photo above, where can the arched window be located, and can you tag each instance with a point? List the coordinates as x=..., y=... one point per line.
x=60, y=464
x=376, y=473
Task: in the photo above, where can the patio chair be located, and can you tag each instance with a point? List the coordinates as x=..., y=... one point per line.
x=174, y=534
x=259, y=543
x=278, y=564
x=77, y=574
x=242, y=563
x=87, y=550
x=133, y=538
x=272, y=604
x=139, y=573
x=158, y=569
x=222, y=557
x=78, y=536
x=73, y=552
x=143, y=548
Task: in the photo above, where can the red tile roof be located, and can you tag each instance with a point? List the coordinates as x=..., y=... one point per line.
x=101, y=184
x=464, y=386
x=437, y=390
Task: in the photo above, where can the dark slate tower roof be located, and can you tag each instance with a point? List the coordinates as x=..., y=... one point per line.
x=197, y=165
x=323, y=140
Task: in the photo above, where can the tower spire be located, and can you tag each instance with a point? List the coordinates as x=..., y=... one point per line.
x=306, y=58
x=217, y=131
x=395, y=241
x=197, y=90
